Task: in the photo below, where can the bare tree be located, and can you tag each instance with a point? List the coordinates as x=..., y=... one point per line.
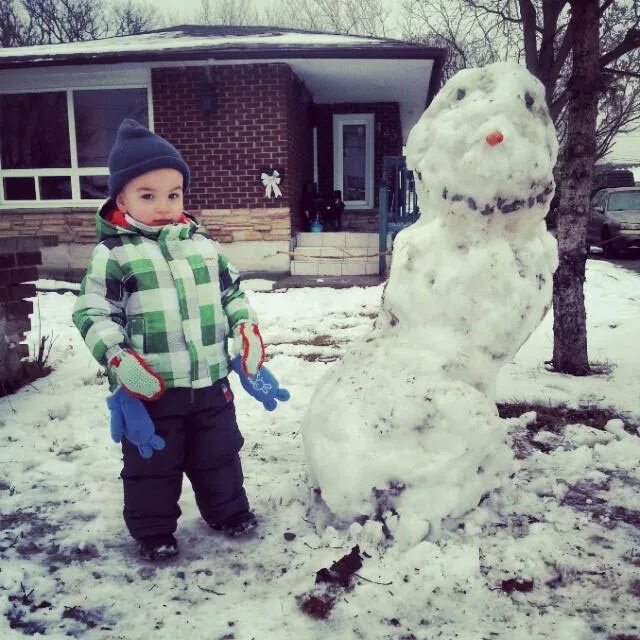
x=547, y=34
x=27, y=22
x=363, y=17
x=472, y=35
x=64, y=20
x=619, y=106
x=477, y=33
x=130, y=17
x=204, y=16
x=14, y=30
x=569, y=324
x=229, y=12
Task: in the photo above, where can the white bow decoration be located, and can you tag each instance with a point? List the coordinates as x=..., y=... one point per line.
x=271, y=182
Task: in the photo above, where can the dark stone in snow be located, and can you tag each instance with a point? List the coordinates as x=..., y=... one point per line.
x=515, y=584
x=341, y=571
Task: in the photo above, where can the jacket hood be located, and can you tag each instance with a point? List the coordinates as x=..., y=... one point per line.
x=107, y=226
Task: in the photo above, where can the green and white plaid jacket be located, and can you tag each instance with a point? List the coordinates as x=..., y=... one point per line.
x=166, y=293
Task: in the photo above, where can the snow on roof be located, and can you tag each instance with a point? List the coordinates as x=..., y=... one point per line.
x=194, y=38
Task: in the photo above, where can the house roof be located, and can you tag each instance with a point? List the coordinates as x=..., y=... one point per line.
x=335, y=68
x=214, y=41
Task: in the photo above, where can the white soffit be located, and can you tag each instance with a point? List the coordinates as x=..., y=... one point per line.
x=366, y=80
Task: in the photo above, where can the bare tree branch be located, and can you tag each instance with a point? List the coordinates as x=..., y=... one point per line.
x=27, y=22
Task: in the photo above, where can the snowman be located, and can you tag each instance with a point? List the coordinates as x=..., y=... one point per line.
x=405, y=428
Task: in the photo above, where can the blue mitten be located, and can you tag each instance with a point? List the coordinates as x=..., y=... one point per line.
x=130, y=419
x=263, y=386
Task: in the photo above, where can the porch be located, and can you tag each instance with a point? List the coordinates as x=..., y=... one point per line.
x=349, y=252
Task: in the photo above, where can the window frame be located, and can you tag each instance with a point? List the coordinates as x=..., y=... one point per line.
x=599, y=199
x=74, y=172
x=368, y=120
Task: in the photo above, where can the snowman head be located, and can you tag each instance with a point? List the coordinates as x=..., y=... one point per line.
x=486, y=145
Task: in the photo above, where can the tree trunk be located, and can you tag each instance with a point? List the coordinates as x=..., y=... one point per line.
x=569, y=325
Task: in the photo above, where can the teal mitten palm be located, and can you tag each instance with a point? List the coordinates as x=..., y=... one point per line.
x=263, y=386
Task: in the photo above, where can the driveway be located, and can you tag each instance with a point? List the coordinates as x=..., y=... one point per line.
x=629, y=260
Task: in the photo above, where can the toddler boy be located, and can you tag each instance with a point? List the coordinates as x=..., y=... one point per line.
x=156, y=306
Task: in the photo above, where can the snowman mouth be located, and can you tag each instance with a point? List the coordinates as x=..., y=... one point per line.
x=503, y=205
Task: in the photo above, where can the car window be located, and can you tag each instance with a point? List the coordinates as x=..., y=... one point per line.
x=624, y=201
x=598, y=199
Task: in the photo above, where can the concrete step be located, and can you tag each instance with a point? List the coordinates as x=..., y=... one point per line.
x=335, y=282
x=338, y=239
x=334, y=267
x=322, y=254
x=343, y=253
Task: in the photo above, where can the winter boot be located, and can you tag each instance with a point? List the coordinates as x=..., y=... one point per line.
x=158, y=547
x=239, y=525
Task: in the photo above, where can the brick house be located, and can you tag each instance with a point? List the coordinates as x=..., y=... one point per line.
x=241, y=103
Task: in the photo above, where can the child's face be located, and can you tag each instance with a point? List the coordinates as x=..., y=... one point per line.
x=153, y=198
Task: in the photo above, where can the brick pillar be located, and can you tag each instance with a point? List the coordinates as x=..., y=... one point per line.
x=19, y=260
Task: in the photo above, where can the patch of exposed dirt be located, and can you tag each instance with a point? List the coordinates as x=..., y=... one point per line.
x=316, y=341
x=582, y=497
x=23, y=529
x=29, y=372
x=317, y=357
x=73, y=554
x=88, y=617
x=20, y=612
x=554, y=419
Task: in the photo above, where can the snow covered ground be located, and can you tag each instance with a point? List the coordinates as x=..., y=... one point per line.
x=555, y=555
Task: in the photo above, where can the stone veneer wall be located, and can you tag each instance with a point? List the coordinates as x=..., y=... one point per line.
x=71, y=225
x=236, y=225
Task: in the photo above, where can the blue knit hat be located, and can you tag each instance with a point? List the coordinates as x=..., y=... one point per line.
x=138, y=150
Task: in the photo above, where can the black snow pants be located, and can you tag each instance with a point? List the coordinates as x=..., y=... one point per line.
x=202, y=440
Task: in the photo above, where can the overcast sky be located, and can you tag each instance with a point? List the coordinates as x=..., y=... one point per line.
x=185, y=9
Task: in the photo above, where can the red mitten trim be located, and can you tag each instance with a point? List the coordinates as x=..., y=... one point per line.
x=245, y=345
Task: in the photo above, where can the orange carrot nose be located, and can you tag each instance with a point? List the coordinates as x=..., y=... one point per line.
x=495, y=138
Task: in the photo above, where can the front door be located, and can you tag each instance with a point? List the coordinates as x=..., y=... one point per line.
x=353, y=159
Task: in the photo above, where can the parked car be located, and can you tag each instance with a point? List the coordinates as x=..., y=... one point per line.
x=614, y=220
x=605, y=176
x=609, y=177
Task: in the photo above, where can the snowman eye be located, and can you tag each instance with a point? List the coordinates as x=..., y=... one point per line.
x=461, y=94
x=528, y=100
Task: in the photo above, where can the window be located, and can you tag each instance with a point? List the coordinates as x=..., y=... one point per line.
x=54, y=145
x=353, y=159
x=624, y=201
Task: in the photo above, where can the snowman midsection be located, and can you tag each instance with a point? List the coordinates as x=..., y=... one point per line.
x=483, y=300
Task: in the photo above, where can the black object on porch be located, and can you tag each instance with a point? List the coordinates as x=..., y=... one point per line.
x=398, y=206
x=323, y=210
